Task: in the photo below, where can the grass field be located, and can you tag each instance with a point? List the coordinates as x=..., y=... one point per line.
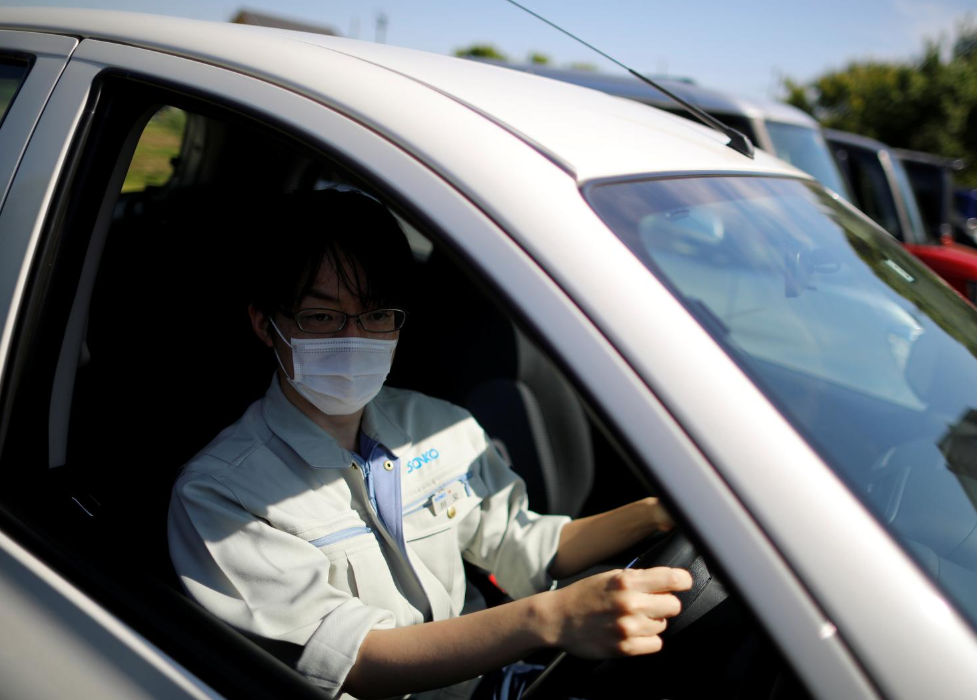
x=159, y=143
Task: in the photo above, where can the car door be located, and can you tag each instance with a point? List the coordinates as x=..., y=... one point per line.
x=48, y=623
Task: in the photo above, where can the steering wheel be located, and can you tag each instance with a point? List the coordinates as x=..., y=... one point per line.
x=560, y=677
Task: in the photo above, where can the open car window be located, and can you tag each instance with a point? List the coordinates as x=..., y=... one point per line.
x=144, y=353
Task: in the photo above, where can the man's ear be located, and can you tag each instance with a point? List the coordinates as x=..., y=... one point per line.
x=260, y=325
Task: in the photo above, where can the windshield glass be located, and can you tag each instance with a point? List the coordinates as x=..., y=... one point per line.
x=805, y=148
x=868, y=354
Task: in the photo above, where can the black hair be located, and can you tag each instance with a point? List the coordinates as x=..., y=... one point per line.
x=291, y=237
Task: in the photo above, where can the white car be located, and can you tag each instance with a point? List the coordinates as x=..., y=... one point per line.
x=627, y=304
x=789, y=133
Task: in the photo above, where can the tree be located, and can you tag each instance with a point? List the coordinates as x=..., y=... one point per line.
x=539, y=59
x=926, y=104
x=481, y=51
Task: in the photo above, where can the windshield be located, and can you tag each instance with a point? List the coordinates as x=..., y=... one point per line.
x=805, y=148
x=860, y=346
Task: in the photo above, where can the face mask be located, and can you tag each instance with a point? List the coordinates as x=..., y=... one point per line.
x=339, y=376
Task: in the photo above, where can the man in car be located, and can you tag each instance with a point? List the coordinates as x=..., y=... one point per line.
x=336, y=512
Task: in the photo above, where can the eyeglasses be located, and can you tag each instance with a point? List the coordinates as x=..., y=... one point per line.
x=322, y=321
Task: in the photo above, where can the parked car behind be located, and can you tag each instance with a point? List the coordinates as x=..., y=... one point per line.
x=931, y=177
x=882, y=188
x=965, y=211
x=626, y=304
x=787, y=132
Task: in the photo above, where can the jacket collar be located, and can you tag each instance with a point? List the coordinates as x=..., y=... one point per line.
x=317, y=447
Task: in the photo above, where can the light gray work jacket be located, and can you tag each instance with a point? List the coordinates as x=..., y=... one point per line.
x=271, y=527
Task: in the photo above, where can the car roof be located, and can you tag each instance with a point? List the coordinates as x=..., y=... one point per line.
x=857, y=140
x=589, y=133
x=709, y=99
x=931, y=159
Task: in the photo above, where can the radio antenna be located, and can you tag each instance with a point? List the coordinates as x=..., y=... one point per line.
x=737, y=140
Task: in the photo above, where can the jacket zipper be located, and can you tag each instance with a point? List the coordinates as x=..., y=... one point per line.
x=391, y=545
x=341, y=535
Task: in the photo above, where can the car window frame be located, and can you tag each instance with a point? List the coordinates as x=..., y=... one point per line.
x=616, y=393
x=909, y=232
x=47, y=55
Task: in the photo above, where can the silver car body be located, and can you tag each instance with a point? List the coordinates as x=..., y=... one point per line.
x=481, y=151
x=772, y=126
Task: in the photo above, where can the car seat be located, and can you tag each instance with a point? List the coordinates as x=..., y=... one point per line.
x=460, y=347
x=171, y=361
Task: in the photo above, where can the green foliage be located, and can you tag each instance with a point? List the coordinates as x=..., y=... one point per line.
x=481, y=51
x=926, y=104
x=539, y=59
x=583, y=65
x=158, y=145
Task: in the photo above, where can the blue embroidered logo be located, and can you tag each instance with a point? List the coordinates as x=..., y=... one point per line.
x=418, y=462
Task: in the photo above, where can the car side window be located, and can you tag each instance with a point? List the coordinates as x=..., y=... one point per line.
x=105, y=414
x=12, y=75
x=159, y=147
x=872, y=191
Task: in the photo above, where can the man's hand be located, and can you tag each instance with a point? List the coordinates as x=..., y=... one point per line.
x=617, y=613
x=657, y=516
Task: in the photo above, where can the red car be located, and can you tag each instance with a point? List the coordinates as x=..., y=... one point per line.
x=881, y=188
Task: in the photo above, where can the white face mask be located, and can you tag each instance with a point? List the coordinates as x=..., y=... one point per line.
x=339, y=376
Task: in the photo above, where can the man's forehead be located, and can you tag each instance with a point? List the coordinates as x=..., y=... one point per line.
x=330, y=292
x=320, y=294
x=331, y=286
x=347, y=290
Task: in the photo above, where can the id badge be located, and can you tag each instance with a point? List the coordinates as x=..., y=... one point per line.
x=446, y=496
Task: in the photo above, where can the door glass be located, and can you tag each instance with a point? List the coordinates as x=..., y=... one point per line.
x=871, y=189
x=928, y=183
x=12, y=74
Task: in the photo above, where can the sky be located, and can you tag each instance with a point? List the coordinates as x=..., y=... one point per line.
x=746, y=49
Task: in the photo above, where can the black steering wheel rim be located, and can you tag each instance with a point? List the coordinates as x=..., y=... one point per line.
x=674, y=550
